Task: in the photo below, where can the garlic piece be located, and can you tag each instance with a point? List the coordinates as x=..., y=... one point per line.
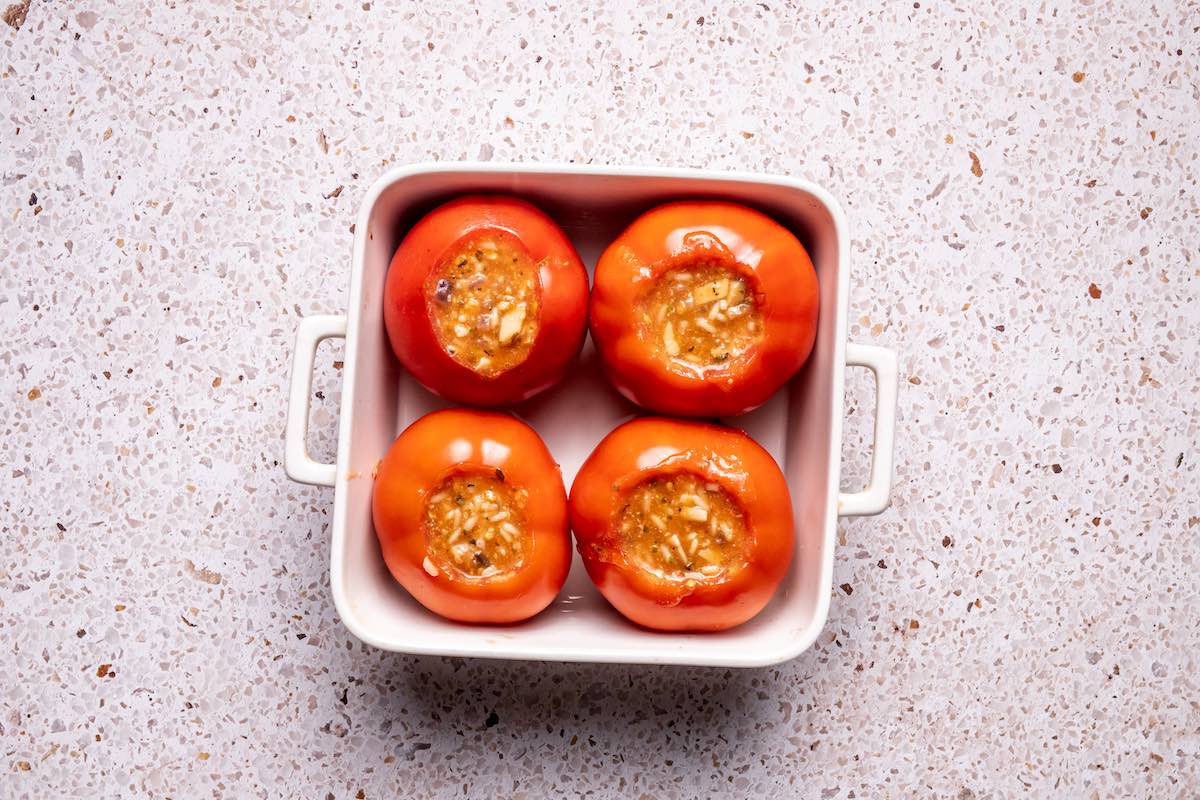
x=510, y=324
x=669, y=341
x=711, y=292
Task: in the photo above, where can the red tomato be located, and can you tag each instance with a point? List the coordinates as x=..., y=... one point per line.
x=683, y=526
x=443, y=535
x=460, y=273
x=651, y=308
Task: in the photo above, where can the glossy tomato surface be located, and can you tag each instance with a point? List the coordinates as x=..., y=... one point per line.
x=780, y=279
x=562, y=287
x=648, y=448
x=462, y=442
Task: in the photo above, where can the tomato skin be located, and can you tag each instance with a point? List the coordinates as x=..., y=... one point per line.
x=564, y=293
x=774, y=263
x=454, y=440
x=649, y=446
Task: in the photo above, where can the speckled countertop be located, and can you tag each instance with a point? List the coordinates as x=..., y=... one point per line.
x=178, y=182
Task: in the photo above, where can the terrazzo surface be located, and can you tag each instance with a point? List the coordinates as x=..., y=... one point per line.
x=178, y=182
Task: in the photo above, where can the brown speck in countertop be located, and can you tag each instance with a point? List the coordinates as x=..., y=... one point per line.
x=1146, y=212
x=947, y=541
x=1057, y=468
x=34, y=393
x=1094, y=291
x=322, y=142
x=941, y=185
x=119, y=607
x=102, y=671
x=976, y=167
x=201, y=573
x=1078, y=77
x=847, y=588
x=216, y=382
x=15, y=15
x=202, y=756
x=335, y=193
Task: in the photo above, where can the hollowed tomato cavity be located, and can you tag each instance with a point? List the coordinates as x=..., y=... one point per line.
x=702, y=316
x=682, y=527
x=475, y=526
x=483, y=301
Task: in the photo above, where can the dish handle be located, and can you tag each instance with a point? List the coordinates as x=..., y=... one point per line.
x=877, y=496
x=299, y=464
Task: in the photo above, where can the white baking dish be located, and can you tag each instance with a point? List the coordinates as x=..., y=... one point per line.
x=801, y=426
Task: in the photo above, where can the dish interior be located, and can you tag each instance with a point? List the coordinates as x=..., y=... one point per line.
x=796, y=426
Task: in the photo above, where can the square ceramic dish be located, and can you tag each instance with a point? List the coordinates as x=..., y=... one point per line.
x=801, y=426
